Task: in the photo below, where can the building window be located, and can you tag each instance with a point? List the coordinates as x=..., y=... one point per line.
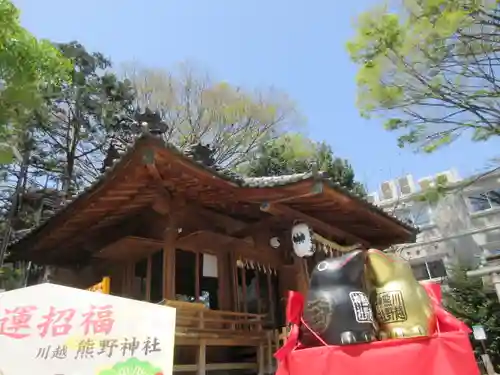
x=418, y=215
x=420, y=271
x=484, y=201
x=436, y=269
x=429, y=270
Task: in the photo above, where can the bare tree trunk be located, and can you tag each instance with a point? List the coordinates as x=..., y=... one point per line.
x=16, y=197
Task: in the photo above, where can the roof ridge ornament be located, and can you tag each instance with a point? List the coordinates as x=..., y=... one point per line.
x=200, y=153
x=151, y=122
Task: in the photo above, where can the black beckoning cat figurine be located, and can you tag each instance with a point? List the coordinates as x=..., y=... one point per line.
x=337, y=308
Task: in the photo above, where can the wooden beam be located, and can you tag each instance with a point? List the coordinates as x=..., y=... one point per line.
x=278, y=209
x=163, y=202
x=125, y=173
x=204, y=240
x=218, y=244
x=129, y=249
x=230, y=224
x=101, y=222
x=90, y=244
x=250, y=229
x=236, y=228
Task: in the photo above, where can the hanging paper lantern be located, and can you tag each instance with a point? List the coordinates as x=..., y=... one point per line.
x=302, y=240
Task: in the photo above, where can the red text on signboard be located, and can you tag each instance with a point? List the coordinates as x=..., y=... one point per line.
x=56, y=322
x=16, y=322
x=19, y=322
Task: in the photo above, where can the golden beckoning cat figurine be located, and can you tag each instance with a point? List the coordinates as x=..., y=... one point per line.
x=401, y=305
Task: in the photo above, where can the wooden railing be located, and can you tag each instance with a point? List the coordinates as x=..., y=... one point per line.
x=199, y=317
x=275, y=340
x=198, y=326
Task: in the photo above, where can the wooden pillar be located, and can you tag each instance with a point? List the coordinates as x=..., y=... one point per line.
x=169, y=240
x=302, y=274
x=148, y=278
x=116, y=280
x=269, y=352
x=201, y=358
x=233, y=271
x=261, y=365
x=127, y=279
x=224, y=278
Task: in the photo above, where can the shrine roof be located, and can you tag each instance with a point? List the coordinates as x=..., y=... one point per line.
x=128, y=186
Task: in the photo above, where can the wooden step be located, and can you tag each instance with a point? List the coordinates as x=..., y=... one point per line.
x=216, y=366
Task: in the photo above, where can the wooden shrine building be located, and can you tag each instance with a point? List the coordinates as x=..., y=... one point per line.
x=165, y=228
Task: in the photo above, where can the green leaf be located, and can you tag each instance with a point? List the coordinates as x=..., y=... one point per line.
x=294, y=153
x=6, y=154
x=26, y=66
x=423, y=65
x=132, y=366
x=469, y=300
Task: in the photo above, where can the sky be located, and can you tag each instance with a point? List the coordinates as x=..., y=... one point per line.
x=295, y=46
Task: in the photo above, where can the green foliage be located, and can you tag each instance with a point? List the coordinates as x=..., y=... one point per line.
x=285, y=155
x=294, y=153
x=10, y=278
x=469, y=301
x=67, y=138
x=82, y=115
x=87, y=114
x=431, y=70
x=132, y=366
x=26, y=66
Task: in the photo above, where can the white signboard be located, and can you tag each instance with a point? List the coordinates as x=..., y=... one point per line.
x=49, y=329
x=479, y=333
x=209, y=265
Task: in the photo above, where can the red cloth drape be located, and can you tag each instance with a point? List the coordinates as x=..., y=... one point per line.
x=446, y=321
x=447, y=352
x=294, y=308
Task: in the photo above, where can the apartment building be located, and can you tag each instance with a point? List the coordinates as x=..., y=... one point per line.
x=463, y=227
